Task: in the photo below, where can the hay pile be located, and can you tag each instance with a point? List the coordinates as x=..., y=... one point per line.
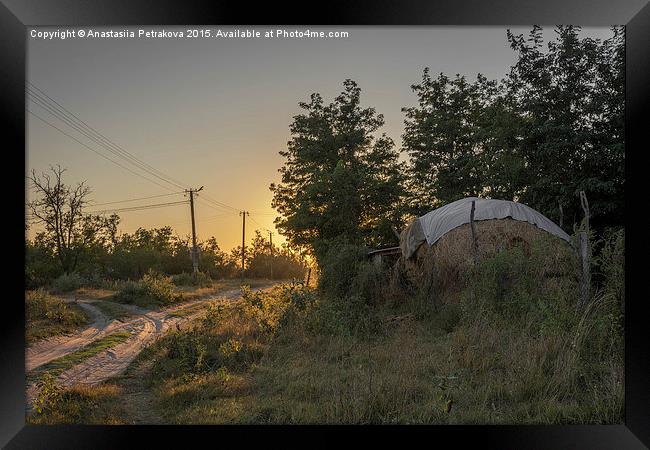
x=442, y=267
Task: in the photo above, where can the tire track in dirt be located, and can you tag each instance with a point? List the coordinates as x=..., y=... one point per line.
x=146, y=326
x=47, y=350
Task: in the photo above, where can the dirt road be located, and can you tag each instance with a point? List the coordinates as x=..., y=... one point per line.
x=144, y=325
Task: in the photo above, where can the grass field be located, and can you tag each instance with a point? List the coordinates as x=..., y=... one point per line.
x=514, y=347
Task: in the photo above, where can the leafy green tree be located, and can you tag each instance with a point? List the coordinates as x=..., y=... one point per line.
x=214, y=261
x=552, y=128
x=339, y=181
x=571, y=98
x=442, y=137
x=266, y=261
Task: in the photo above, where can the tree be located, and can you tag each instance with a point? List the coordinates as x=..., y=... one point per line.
x=552, y=128
x=339, y=182
x=571, y=98
x=442, y=137
x=59, y=209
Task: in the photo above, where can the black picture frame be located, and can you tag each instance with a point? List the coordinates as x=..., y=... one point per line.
x=16, y=15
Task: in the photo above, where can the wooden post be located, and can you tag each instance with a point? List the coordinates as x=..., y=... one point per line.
x=585, y=260
x=585, y=251
x=308, y=276
x=473, y=227
x=392, y=227
x=585, y=208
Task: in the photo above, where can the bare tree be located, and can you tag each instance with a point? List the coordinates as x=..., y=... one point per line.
x=59, y=208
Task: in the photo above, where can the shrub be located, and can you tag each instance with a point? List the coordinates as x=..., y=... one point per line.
x=68, y=282
x=39, y=305
x=49, y=394
x=611, y=264
x=187, y=279
x=339, y=268
x=512, y=286
x=153, y=289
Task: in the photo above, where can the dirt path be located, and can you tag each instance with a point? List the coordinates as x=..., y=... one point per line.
x=145, y=327
x=46, y=350
x=138, y=401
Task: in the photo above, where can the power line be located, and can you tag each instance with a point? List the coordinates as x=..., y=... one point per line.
x=56, y=109
x=139, y=208
x=211, y=205
x=96, y=151
x=211, y=200
x=99, y=136
x=66, y=119
x=256, y=222
x=136, y=199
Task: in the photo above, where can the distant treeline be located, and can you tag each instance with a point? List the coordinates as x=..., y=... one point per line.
x=98, y=254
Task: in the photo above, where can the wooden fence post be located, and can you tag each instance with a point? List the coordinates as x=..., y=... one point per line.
x=473, y=227
x=308, y=276
x=585, y=251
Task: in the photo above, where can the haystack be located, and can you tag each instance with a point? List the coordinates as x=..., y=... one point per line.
x=438, y=247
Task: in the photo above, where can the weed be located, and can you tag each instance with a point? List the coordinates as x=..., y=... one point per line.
x=48, y=315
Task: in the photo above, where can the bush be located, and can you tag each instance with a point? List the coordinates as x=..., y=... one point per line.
x=611, y=264
x=40, y=305
x=154, y=289
x=68, y=282
x=49, y=394
x=512, y=284
x=48, y=315
x=187, y=279
x=339, y=268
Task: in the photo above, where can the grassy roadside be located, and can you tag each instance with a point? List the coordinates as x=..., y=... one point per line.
x=81, y=404
x=48, y=315
x=155, y=290
x=513, y=348
x=276, y=358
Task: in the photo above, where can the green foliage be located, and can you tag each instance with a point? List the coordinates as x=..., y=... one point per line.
x=552, y=128
x=68, y=282
x=271, y=310
x=47, y=315
x=49, y=394
x=610, y=263
x=187, y=279
x=453, y=119
x=573, y=139
x=154, y=289
x=80, y=404
x=513, y=284
x=339, y=180
x=272, y=262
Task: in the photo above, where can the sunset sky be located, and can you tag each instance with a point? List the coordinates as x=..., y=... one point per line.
x=216, y=112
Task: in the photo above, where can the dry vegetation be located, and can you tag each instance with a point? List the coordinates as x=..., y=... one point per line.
x=48, y=315
x=448, y=261
x=513, y=347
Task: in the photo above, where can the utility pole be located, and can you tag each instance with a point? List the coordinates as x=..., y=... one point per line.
x=195, y=252
x=243, y=241
x=271, y=246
